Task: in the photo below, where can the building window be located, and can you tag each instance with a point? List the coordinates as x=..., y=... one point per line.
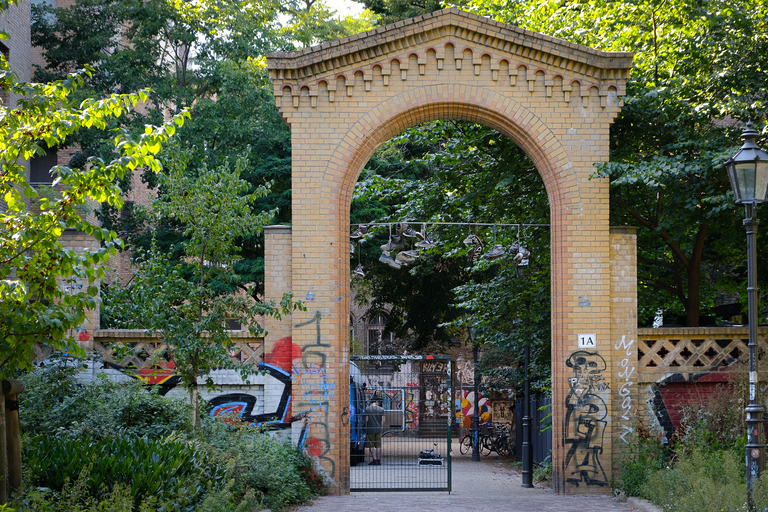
x=379, y=344
x=233, y=324
x=40, y=167
x=6, y=55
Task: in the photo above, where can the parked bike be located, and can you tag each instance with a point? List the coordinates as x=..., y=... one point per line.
x=497, y=441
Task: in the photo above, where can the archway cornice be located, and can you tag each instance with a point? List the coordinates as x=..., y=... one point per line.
x=456, y=25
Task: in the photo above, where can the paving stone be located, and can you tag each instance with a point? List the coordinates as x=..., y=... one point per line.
x=491, y=484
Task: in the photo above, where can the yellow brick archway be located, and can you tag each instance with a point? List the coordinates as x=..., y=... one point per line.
x=448, y=101
x=556, y=100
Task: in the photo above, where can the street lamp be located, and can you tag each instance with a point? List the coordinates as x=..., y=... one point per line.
x=748, y=172
x=476, y=412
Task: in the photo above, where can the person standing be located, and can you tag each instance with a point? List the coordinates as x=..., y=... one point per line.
x=374, y=422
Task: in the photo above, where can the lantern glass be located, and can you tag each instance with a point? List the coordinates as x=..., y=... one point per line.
x=748, y=170
x=749, y=180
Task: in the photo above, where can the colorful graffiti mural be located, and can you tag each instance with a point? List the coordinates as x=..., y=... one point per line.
x=465, y=408
x=315, y=395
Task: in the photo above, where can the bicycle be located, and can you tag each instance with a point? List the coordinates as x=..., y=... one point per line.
x=497, y=441
x=465, y=445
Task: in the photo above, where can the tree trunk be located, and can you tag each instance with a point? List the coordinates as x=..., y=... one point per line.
x=693, y=306
x=195, y=399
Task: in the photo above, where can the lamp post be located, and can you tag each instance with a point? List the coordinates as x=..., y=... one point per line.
x=527, y=446
x=460, y=381
x=748, y=172
x=476, y=411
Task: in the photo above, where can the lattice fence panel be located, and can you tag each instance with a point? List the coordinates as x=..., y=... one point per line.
x=695, y=353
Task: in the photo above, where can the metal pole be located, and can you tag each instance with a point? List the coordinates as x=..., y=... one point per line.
x=11, y=390
x=476, y=413
x=527, y=446
x=754, y=410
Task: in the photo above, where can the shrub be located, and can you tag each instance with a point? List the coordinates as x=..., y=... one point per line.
x=53, y=401
x=75, y=497
x=700, y=481
x=643, y=456
x=276, y=472
x=112, y=438
x=542, y=472
x=171, y=469
x=715, y=422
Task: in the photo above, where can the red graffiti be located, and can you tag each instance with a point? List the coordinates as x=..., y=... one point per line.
x=84, y=336
x=283, y=354
x=314, y=447
x=157, y=374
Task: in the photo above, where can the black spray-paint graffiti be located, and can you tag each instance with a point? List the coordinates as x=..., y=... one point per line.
x=585, y=420
x=242, y=404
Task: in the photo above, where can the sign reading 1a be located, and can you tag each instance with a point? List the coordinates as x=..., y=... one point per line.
x=587, y=341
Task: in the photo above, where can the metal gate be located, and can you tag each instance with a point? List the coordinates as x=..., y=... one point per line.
x=415, y=393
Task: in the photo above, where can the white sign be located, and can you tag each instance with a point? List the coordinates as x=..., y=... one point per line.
x=587, y=341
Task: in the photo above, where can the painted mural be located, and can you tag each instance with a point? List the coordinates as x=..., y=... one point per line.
x=668, y=396
x=465, y=408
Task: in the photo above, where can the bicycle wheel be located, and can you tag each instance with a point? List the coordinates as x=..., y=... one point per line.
x=486, y=445
x=466, y=444
x=503, y=446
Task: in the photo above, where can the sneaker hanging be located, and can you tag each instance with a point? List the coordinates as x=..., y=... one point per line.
x=404, y=259
x=410, y=233
x=426, y=243
x=394, y=244
x=525, y=255
x=413, y=253
x=388, y=260
x=360, y=232
x=359, y=271
x=495, y=253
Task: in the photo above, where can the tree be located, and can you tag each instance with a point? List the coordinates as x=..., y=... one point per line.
x=242, y=115
x=34, y=265
x=390, y=11
x=206, y=56
x=698, y=68
x=190, y=312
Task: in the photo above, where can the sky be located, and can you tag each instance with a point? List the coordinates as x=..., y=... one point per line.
x=345, y=7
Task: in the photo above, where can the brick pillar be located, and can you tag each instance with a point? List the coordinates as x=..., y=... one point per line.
x=625, y=396
x=277, y=280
